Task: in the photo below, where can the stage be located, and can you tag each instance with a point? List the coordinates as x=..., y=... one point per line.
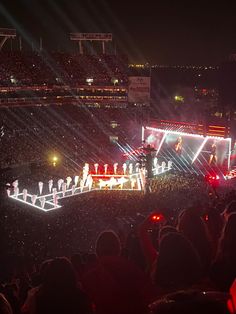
x=190, y=152
x=125, y=177
x=167, y=146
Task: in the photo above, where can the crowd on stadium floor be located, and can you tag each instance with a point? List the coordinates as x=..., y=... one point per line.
x=33, y=146
x=118, y=258
x=30, y=134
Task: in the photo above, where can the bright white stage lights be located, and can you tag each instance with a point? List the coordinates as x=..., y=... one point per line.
x=200, y=149
x=89, y=182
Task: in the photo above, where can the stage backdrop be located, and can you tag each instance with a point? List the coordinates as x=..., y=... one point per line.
x=188, y=151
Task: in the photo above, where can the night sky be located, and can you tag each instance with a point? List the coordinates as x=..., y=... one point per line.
x=159, y=32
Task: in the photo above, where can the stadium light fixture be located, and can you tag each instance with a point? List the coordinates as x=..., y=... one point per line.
x=55, y=158
x=179, y=98
x=89, y=81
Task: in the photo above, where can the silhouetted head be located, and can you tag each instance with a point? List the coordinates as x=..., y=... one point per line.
x=59, y=274
x=166, y=230
x=227, y=246
x=178, y=264
x=195, y=230
x=108, y=244
x=191, y=302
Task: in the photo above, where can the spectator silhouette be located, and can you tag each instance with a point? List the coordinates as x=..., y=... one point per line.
x=178, y=265
x=59, y=292
x=214, y=222
x=191, y=302
x=195, y=230
x=115, y=284
x=223, y=270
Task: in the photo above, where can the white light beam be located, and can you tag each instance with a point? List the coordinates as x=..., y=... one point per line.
x=162, y=141
x=199, y=149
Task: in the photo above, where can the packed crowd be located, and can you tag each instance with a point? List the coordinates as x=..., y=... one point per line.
x=32, y=134
x=22, y=69
x=169, y=251
x=178, y=187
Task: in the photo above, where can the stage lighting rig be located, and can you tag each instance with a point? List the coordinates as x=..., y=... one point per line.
x=148, y=153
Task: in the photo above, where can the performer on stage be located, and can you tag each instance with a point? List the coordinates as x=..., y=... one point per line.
x=178, y=145
x=213, y=157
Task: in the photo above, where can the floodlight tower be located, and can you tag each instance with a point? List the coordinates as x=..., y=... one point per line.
x=80, y=37
x=5, y=34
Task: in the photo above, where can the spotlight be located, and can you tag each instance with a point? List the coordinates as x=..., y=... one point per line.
x=54, y=158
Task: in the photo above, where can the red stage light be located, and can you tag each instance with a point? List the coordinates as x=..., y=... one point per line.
x=157, y=217
x=213, y=179
x=206, y=217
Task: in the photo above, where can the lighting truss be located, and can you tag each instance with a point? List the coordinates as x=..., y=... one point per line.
x=187, y=134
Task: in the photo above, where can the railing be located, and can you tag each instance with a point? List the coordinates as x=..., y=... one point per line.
x=45, y=100
x=7, y=32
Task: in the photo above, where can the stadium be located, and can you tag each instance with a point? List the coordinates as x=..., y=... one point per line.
x=85, y=155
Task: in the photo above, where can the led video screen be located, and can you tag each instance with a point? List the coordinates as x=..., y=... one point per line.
x=189, y=150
